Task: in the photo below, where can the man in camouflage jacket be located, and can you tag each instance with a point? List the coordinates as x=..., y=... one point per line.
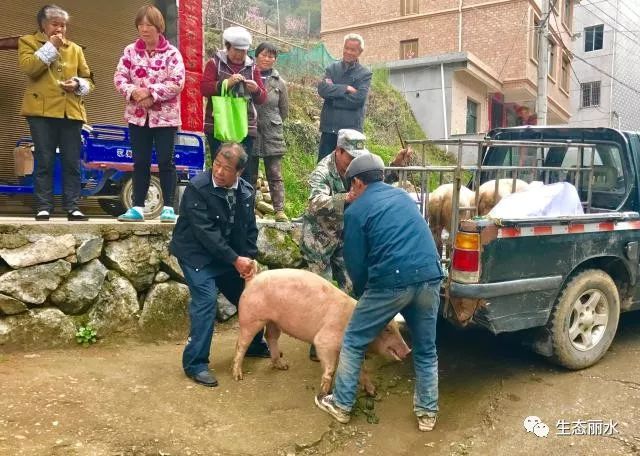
x=322, y=221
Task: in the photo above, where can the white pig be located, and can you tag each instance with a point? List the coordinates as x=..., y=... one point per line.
x=309, y=308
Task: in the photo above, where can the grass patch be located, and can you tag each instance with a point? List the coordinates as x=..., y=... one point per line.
x=296, y=168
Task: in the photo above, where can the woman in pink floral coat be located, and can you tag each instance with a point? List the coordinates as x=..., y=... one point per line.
x=150, y=76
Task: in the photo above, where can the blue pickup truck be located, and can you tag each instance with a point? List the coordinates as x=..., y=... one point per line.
x=561, y=281
x=107, y=168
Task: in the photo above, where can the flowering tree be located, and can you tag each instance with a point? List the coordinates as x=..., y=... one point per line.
x=254, y=18
x=295, y=26
x=234, y=10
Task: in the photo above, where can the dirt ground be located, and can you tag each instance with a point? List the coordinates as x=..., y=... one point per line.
x=131, y=398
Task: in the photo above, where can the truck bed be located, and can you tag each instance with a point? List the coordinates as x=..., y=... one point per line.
x=524, y=263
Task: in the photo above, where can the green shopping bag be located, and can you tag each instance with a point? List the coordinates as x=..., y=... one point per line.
x=230, y=119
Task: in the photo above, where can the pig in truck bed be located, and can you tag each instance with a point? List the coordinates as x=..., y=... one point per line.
x=565, y=280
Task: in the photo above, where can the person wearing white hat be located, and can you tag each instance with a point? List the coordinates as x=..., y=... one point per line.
x=243, y=78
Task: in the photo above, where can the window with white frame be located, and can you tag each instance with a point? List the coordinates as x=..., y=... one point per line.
x=590, y=94
x=593, y=38
x=408, y=7
x=535, y=38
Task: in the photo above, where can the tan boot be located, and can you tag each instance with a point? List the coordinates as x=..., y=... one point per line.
x=281, y=217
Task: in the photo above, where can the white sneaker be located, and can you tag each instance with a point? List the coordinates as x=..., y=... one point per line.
x=426, y=423
x=327, y=404
x=42, y=216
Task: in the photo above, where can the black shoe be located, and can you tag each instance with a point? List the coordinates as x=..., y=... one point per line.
x=205, y=378
x=76, y=216
x=313, y=356
x=259, y=351
x=42, y=216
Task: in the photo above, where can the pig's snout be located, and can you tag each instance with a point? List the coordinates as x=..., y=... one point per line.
x=391, y=344
x=398, y=351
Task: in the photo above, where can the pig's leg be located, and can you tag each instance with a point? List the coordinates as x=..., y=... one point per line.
x=247, y=331
x=271, y=334
x=328, y=356
x=365, y=380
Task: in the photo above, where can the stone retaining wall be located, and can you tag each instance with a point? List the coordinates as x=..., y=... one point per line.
x=118, y=278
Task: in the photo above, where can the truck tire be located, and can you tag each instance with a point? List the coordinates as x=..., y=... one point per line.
x=584, y=319
x=153, y=204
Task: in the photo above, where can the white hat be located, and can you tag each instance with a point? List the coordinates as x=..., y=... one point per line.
x=237, y=37
x=352, y=141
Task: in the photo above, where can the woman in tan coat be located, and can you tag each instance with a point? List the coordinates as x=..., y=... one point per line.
x=53, y=104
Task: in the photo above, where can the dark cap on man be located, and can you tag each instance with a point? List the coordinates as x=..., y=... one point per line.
x=364, y=163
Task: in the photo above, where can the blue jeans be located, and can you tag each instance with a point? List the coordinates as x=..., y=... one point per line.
x=203, y=285
x=418, y=304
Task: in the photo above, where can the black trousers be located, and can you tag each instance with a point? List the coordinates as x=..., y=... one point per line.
x=49, y=134
x=328, y=142
x=250, y=173
x=142, y=141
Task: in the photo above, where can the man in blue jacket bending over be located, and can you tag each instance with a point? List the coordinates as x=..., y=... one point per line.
x=392, y=260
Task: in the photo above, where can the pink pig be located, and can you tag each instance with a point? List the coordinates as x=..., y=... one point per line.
x=309, y=308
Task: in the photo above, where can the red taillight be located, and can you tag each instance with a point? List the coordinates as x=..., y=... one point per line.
x=466, y=260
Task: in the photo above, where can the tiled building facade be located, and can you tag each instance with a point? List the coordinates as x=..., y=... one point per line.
x=494, y=80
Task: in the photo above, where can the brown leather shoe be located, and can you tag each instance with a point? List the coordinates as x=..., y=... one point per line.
x=281, y=217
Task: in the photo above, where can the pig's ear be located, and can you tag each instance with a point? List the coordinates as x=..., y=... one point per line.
x=254, y=270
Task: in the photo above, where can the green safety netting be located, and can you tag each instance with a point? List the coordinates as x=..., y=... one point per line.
x=299, y=62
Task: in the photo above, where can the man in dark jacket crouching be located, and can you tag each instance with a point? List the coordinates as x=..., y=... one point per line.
x=215, y=243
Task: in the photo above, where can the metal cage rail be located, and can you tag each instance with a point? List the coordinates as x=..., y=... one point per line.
x=480, y=172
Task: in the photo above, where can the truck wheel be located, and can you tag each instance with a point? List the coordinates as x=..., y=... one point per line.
x=153, y=204
x=584, y=319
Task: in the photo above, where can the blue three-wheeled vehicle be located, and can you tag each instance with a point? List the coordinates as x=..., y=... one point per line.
x=107, y=169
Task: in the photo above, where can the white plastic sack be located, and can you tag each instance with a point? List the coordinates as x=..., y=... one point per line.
x=554, y=200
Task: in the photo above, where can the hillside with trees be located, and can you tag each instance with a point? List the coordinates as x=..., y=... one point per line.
x=295, y=19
